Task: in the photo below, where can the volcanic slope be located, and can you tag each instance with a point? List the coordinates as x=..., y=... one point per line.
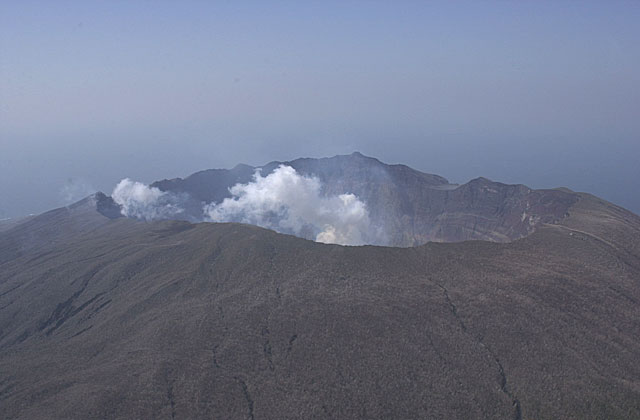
x=408, y=206
x=117, y=318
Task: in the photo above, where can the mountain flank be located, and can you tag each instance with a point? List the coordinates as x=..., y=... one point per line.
x=118, y=318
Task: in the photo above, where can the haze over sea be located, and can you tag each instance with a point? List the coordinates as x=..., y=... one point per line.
x=541, y=93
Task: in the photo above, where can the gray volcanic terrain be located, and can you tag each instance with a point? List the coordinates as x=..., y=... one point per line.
x=408, y=206
x=103, y=316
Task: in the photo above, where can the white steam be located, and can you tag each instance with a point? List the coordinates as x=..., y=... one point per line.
x=291, y=203
x=140, y=201
x=284, y=201
x=75, y=189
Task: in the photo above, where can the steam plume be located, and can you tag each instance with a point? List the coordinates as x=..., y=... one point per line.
x=75, y=189
x=291, y=203
x=140, y=201
x=284, y=201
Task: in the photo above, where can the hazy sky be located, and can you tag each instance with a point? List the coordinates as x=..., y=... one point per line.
x=541, y=93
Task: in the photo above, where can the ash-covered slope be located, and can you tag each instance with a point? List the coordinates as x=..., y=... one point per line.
x=406, y=207
x=55, y=228
x=118, y=318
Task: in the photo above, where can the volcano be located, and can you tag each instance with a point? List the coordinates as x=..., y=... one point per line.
x=496, y=301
